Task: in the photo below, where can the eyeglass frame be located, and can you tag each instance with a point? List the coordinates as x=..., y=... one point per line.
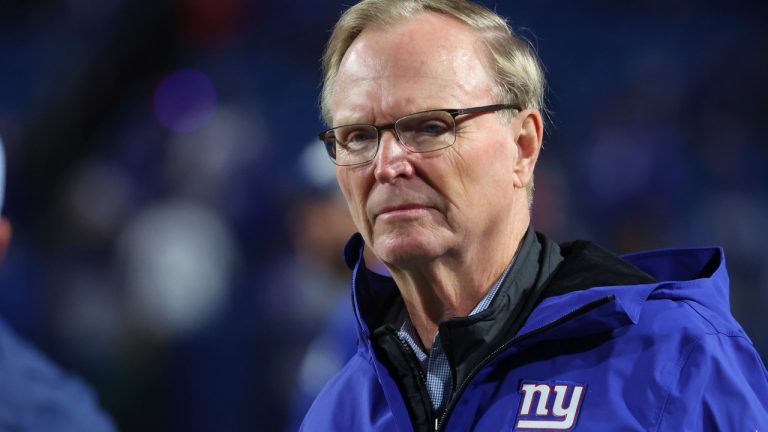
x=453, y=112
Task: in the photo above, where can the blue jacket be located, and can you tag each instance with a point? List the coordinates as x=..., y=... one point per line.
x=660, y=356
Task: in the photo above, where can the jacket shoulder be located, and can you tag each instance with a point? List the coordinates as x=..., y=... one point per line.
x=713, y=376
x=719, y=382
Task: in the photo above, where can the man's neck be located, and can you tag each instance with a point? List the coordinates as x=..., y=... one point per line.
x=451, y=287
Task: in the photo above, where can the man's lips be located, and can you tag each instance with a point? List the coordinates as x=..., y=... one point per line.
x=401, y=209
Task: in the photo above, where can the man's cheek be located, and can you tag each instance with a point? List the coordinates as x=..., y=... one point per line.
x=359, y=217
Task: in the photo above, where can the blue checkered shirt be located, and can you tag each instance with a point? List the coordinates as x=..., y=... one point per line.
x=435, y=363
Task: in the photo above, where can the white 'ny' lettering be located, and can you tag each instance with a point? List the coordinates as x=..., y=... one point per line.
x=564, y=416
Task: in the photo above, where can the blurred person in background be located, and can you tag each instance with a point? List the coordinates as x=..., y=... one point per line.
x=434, y=109
x=319, y=225
x=35, y=394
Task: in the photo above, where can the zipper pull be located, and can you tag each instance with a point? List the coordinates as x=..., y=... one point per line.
x=436, y=423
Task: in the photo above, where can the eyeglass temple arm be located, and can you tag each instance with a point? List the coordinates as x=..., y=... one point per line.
x=487, y=108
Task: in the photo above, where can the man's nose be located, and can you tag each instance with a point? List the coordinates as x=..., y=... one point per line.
x=392, y=159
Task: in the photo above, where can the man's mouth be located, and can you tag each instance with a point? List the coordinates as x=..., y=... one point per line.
x=402, y=210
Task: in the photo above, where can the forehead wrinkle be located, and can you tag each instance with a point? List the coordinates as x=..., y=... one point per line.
x=381, y=102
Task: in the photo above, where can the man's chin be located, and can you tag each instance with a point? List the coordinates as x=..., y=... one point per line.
x=406, y=249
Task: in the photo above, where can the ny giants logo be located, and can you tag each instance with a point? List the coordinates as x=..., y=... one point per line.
x=549, y=414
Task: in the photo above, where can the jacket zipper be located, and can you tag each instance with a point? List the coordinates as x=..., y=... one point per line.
x=422, y=378
x=439, y=422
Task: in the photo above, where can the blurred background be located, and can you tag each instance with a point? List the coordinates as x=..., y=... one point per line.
x=178, y=231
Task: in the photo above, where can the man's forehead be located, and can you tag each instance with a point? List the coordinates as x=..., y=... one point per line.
x=356, y=99
x=428, y=39
x=420, y=64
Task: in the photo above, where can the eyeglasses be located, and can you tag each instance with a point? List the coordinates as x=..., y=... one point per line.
x=421, y=132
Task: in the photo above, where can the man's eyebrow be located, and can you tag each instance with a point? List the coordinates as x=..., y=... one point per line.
x=347, y=121
x=390, y=119
x=352, y=117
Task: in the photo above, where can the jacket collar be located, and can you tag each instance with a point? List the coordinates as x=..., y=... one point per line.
x=374, y=294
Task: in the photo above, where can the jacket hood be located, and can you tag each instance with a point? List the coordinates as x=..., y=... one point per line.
x=695, y=276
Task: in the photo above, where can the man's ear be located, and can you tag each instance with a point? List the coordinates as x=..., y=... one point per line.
x=5, y=236
x=528, y=140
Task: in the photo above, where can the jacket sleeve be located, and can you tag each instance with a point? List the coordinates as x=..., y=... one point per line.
x=722, y=385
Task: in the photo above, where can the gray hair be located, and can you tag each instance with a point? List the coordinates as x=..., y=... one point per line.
x=515, y=67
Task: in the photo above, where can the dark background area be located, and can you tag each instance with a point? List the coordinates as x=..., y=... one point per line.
x=159, y=180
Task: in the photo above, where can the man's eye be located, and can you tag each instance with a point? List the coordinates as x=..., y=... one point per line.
x=432, y=127
x=358, y=139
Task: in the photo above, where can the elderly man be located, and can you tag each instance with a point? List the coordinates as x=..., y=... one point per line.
x=436, y=126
